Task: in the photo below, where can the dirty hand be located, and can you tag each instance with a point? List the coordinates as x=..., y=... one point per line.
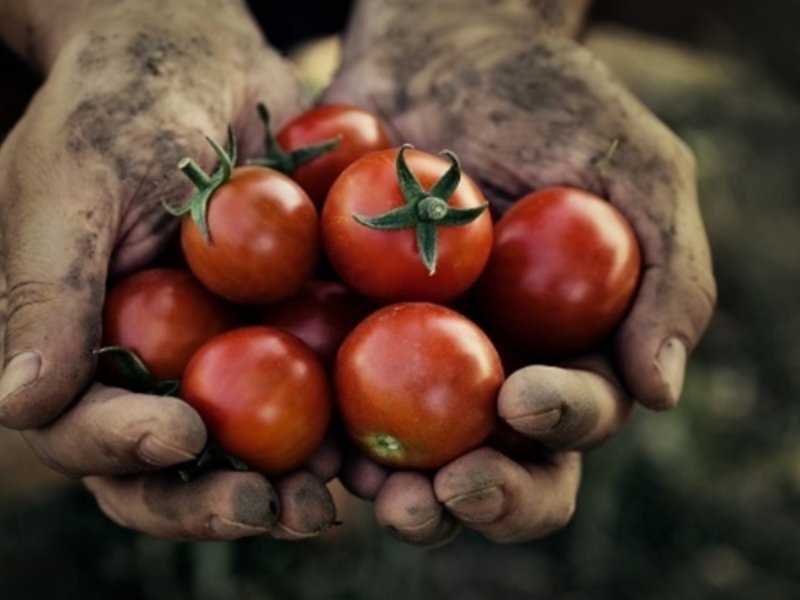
x=504, y=85
x=130, y=88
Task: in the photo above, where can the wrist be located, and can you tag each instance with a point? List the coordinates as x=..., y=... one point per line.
x=38, y=30
x=459, y=22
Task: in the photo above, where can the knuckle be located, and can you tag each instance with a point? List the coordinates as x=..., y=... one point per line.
x=684, y=157
x=29, y=293
x=109, y=507
x=701, y=300
x=564, y=514
x=579, y=417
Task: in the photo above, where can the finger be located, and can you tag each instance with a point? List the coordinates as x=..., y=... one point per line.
x=565, y=408
x=307, y=507
x=274, y=82
x=506, y=501
x=327, y=459
x=677, y=292
x=361, y=476
x=79, y=183
x=55, y=268
x=223, y=505
x=407, y=507
x=112, y=432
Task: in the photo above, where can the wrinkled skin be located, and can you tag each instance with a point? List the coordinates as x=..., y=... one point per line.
x=525, y=106
x=521, y=103
x=130, y=88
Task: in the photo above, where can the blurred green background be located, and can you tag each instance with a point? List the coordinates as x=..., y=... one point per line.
x=699, y=503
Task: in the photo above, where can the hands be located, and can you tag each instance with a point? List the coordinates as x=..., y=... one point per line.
x=525, y=107
x=130, y=89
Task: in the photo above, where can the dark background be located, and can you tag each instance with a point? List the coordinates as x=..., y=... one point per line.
x=699, y=503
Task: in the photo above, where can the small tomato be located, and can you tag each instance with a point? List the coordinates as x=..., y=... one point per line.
x=416, y=385
x=163, y=316
x=563, y=272
x=406, y=225
x=263, y=395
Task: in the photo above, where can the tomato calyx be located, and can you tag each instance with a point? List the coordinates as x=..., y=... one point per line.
x=425, y=211
x=385, y=447
x=288, y=162
x=135, y=374
x=197, y=205
x=210, y=459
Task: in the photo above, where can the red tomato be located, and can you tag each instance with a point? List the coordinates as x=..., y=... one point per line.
x=360, y=132
x=416, y=385
x=563, y=272
x=264, y=238
x=386, y=265
x=321, y=315
x=263, y=395
x=163, y=315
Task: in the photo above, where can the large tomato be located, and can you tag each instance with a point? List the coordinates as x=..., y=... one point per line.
x=563, y=272
x=164, y=316
x=321, y=314
x=263, y=394
x=359, y=131
x=250, y=234
x=390, y=264
x=416, y=385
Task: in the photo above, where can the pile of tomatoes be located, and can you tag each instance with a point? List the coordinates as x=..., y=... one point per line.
x=367, y=281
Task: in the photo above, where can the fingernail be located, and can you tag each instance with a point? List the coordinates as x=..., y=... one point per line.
x=671, y=364
x=22, y=370
x=485, y=505
x=540, y=422
x=229, y=529
x=160, y=454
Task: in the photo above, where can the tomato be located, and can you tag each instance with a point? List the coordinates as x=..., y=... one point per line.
x=264, y=238
x=416, y=385
x=390, y=265
x=263, y=395
x=250, y=234
x=564, y=269
x=360, y=132
x=164, y=316
x=321, y=315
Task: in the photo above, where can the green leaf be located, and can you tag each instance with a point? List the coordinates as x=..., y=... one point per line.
x=306, y=154
x=199, y=212
x=447, y=184
x=397, y=218
x=275, y=156
x=426, y=244
x=135, y=374
x=462, y=216
x=197, y=205
x=410, y=186
x=168, y=387
x=226, y=157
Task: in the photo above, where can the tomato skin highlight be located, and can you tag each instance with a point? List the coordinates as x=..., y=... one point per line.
x=164, y=316
x=264, y=238
x=417, y=384
x=321, y=314
x=564, y=270
x=360, y=132
x=385, y=265
x=263, y=395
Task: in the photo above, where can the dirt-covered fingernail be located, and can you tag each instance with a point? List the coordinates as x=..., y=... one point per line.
x=158, y=453
x=538, y=422
x=484, y=505
x=671, y=364
x=228, y=529
x=21, y=371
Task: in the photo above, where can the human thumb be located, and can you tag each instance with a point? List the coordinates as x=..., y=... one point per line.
x=54, y=256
